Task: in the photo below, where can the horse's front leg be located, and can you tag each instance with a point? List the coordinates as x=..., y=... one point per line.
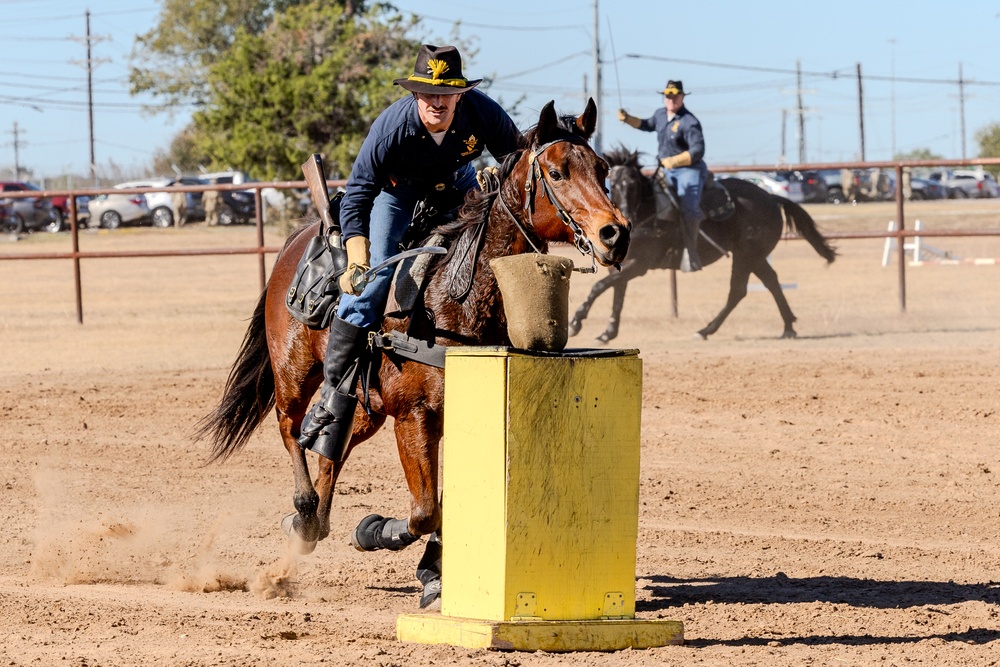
x=597, y=290
x=418, y=435
x=365, y=426
x=614, y=321
x=619, y=282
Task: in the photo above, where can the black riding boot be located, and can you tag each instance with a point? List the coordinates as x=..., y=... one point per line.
x=690, y=260
x=328, y=427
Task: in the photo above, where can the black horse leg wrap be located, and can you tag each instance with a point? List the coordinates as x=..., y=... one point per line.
x=375, y=532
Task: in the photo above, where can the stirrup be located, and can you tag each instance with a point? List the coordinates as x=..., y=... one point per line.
x=329, y=426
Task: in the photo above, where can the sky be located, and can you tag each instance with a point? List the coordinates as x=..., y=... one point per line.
x=738, y=61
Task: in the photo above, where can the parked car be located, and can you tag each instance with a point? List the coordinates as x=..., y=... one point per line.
x=924, y=188
x=834, y=189
x=790, y=189
x=813, y=187
x=161, y=207
x=271, y=196
x=61, y=204
x=235, y=206
x=112, y=210
x=25, y=214
x=967, y=183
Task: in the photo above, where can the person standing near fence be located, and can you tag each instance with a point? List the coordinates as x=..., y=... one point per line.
x=210, y=200
x=178, y=202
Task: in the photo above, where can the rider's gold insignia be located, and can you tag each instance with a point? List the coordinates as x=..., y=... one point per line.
x=436, y=68
x=677, y=124
x=470, y=145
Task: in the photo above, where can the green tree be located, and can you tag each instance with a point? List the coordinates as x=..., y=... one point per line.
x=918, y=154
x=172, y=60
x=312, y=81
x=989, y=145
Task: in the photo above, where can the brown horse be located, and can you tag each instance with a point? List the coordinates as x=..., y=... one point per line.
x=551, y=190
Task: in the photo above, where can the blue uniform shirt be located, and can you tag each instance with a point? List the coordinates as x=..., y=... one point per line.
x=681, y=133
x=399, y=149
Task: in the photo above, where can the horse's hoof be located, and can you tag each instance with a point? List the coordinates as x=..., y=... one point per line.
x=303, y=547
x=790, y=334
x=574, y=327
x=604, y=338
x=431, y=594
x=701, y=334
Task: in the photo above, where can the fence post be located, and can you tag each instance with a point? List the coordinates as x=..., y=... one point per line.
x=901, y=237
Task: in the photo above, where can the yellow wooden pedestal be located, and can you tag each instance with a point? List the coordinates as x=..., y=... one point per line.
x=540, y=488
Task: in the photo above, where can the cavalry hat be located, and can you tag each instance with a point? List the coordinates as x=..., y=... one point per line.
x=674, y=88
x=438, y=71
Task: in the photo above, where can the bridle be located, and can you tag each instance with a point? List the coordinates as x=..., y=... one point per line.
x=635, y=223
x=535, y=175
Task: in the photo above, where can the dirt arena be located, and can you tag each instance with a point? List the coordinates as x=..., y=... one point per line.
x=830, y=500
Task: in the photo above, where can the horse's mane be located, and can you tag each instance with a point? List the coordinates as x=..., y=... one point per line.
x=622, y=157
x=478, y=203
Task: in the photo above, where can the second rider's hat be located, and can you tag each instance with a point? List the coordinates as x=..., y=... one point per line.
x=674, y=88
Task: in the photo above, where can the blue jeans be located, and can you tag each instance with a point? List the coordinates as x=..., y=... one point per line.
x=689, y=182
x=392, y=213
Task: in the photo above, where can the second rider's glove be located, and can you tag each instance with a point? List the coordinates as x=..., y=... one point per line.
x=352, y=281
x=679, y=160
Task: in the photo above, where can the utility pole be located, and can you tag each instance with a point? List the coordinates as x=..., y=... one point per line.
x=961, y=105
x=861, y=113
x=89, y=63
x=17, y=151
x=802, y=116
x=892, y=97
x=784, y=123
x=598, y=92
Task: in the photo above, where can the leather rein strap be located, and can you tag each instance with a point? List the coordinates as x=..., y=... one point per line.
x=535, y=174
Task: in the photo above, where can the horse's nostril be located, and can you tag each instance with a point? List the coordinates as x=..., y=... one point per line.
x=609, y=235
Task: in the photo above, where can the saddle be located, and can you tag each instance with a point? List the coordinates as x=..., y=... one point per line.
x=716, y=202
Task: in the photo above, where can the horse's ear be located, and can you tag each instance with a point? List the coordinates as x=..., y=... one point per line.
x=548, y=122
x=587, y=121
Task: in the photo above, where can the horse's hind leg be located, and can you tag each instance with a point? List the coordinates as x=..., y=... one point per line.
x=737, y=290
x=304, y=524
x=767, y=275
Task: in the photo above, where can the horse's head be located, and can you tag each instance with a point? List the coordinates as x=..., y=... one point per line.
x=561, y=180
x=630, y=190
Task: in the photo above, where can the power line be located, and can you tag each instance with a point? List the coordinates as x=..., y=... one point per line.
x=835, y=74
x=518, y=28
x=542, y=67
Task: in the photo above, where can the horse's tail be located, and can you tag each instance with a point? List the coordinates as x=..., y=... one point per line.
x=249, y=393
x=799, y=220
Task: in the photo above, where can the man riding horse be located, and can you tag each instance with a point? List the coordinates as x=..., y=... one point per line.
x=680, y=152
x=420, y=148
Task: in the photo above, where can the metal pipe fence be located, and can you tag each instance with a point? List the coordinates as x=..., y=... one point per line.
x=901, y=232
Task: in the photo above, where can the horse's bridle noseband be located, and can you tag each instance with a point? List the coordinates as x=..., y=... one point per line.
x=580, y=240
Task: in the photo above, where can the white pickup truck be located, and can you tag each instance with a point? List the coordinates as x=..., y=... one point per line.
x=967, y=183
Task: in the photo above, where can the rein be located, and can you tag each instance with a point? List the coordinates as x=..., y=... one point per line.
x=580, y=240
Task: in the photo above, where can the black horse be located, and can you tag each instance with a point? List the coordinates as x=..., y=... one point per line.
x=750, y=234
